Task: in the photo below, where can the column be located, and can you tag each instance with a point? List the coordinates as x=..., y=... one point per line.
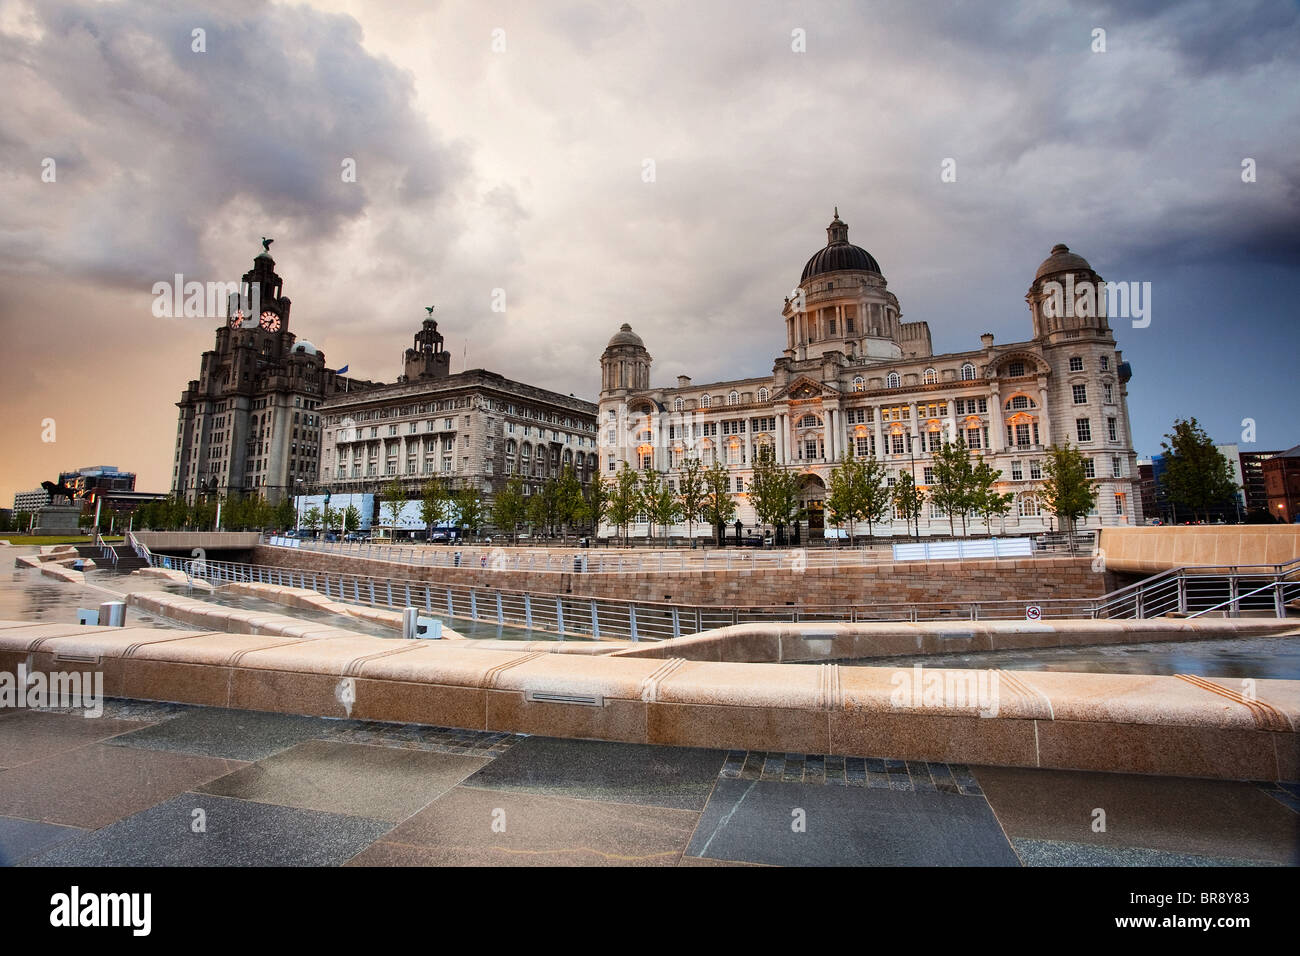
x=828, y=433
x=780, y=438
x=997, y=430
x=1045, y=418
x=880, y=435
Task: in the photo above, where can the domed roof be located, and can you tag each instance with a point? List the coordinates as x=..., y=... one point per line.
x=1062, y=260
x=839, y=254
x=625, y=336
x=305, y=346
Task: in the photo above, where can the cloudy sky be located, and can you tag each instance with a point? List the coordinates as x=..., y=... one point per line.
x=505, y=146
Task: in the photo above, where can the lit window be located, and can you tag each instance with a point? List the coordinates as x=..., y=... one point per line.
x=857, y=383
x=931, y=377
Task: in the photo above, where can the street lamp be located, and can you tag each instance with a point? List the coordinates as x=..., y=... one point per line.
x=297, y=523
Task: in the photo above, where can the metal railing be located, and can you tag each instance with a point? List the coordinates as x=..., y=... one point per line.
x=105, y=550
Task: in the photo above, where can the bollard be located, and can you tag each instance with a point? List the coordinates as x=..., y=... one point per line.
x=410, y=622
x=112, y=614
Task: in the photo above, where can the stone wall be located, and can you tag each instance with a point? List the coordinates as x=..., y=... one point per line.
x=911, y=582
x=1147, y=551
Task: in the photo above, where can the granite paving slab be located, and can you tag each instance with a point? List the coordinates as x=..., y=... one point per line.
x=234, y=833
x=28, y=735
x=758, y=821
x=383, y=783
x=1056, y=853
x=679, y=777
x=235, y=734
x=20, y=839
x=99, y=784
x=473, y=827
x=1196, y=817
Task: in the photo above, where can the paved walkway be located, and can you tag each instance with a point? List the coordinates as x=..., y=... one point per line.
x=150, y=784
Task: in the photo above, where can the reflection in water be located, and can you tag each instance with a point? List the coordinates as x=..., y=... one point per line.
x=1259, y=657
x=27, y=595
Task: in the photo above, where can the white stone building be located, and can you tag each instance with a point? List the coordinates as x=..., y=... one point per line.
x=854, y=376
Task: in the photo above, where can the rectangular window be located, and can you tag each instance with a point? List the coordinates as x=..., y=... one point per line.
x=1083, y=429
x=1112, y=429
x=1089, y=468
x=1016, y=473
x=1080, y=394
x=740, y=484
x=1076, y=364
x=1117, y=466
x=810, y=449
x=1119, y=504
x=927, y=476
x=973, y=438
x=1035, y=470
x=898, y=444
x=862, y=448
x=1109, y=391
x=1105, y=363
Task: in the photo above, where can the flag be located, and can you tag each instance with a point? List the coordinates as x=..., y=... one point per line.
x=342, y=370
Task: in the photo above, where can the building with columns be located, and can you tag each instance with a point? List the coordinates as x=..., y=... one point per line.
x=465, y=429
x=853, y=376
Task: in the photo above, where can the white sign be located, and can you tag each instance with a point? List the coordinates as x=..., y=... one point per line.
x=1033, y=613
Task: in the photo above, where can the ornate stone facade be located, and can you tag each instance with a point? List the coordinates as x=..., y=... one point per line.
x=854, y=377
x=474, y=428
x=248, y=423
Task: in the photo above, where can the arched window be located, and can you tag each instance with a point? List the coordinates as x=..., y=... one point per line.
x=894, y=380
x=968, y=372
x=763, y=394
x=705, y=401
x=733, y=398
x=858, y=384
x=809, y=421
x=931, y=377
x=678, y=405
x=1020, y=402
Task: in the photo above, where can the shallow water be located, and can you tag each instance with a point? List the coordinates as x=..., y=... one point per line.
x=1259, y=657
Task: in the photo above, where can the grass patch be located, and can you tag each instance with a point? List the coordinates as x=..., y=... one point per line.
x=17, y=539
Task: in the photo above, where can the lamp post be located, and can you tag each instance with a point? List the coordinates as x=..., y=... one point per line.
x=297, y=523
x=911, y=450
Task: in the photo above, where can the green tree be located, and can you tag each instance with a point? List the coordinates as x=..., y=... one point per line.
x=719, y=505
x=1067, y=491
x=691, y=493
x=908, y=498
x=351, y=519
x=433, y=506
x=658, y=501
x=469, y=504
x=876, y=496
x=311, y=518
x=990, y=504
x=773, y=490
x=543, y=507
x=624, y=499
x=394, y=500
x=568, y=500
x=844, y=494
x=595, y=502
x=954, y=490
x=283, y=514
x=509, y=507
x=1197, y=476
x=260, y=514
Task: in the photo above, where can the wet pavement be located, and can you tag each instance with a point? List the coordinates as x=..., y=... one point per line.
x=168, y=784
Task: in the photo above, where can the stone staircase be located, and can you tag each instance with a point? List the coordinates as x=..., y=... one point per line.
x=127, y=559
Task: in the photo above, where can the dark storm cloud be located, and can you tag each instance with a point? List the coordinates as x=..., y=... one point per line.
x=181, y=146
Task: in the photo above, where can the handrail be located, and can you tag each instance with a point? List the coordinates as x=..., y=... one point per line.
x=1235, y=600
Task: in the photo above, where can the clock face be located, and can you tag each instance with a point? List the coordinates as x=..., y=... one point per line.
x=237, y=318
x=270, y=322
